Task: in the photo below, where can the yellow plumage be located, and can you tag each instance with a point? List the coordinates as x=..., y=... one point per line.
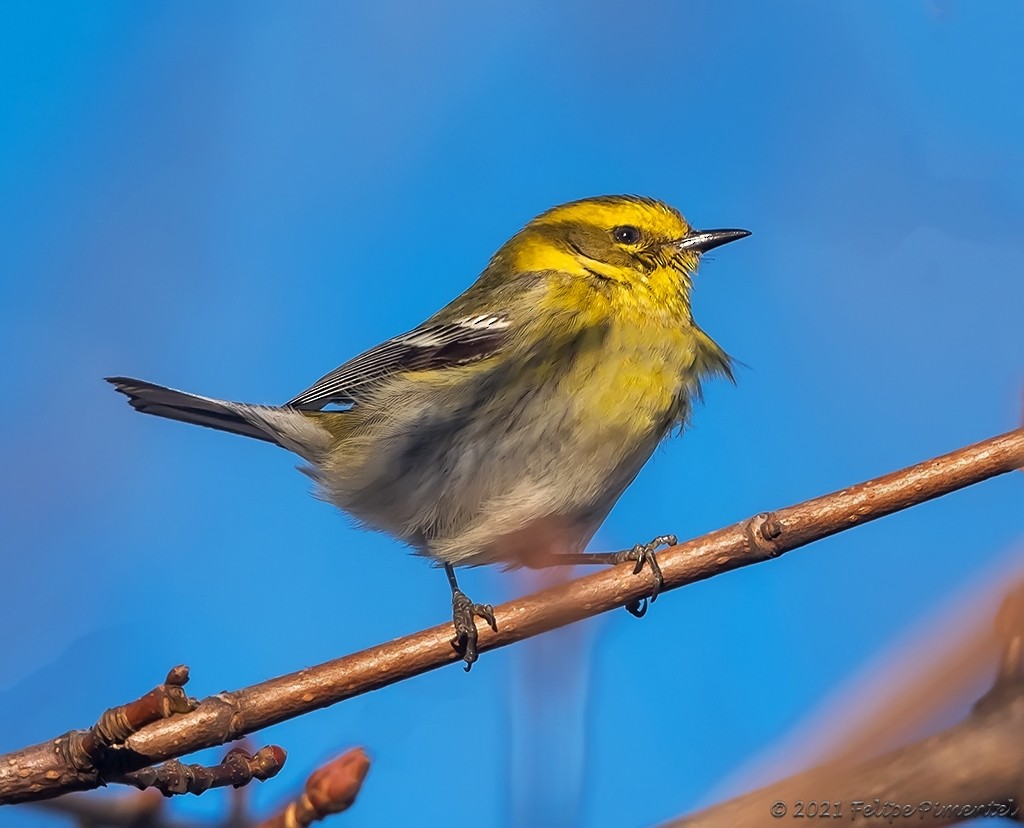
x=504, y=428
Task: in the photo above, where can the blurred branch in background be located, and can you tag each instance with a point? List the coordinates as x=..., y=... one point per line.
x=40, y=771
x=973, y=769
x=143, y=809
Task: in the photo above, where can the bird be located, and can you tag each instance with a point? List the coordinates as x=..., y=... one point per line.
x=503, y=429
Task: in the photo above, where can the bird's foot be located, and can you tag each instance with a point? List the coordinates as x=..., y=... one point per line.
x=464, y=615
x=644, y=553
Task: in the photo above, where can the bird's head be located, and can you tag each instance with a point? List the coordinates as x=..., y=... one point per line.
x=628, y=241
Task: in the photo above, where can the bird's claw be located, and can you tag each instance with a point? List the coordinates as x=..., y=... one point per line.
x=644, y=553
x=464, y=613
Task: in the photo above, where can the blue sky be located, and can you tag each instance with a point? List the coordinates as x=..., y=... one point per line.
x=233, y=199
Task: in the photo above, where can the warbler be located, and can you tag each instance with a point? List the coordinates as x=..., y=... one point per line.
x=504, y=428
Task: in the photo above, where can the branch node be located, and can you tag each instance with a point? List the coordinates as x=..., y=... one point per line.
x=89, y=750
x=234, y=722
x=76, y=749
x=762, y=532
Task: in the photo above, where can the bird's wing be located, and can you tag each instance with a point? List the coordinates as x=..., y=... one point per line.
x=431, y=345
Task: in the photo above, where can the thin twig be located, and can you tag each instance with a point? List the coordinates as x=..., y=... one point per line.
x=145, y=808
x=236, y=769
x=38, y=771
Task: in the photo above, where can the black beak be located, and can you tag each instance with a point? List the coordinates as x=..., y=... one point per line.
x=702, y=241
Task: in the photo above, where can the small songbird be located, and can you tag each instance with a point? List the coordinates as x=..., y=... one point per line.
x=505, y=427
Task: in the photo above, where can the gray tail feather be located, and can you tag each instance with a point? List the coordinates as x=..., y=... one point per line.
x=189, y=408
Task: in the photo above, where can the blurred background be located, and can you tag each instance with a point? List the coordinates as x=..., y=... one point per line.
x=232, y=199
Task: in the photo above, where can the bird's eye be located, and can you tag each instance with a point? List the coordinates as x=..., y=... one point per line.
x=626, y=234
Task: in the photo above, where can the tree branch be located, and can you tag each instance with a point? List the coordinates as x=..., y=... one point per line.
x=92, y=747
x=40, y=771
x=90, y=754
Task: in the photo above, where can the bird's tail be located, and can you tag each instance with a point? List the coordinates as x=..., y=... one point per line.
x=282, y=426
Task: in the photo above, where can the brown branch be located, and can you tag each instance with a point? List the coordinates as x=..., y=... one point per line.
x=87, y=755
x=237, y=768
x=145, y=808
x=973, y=769
x=330, y=789
x=92, y=748
x=40, y=771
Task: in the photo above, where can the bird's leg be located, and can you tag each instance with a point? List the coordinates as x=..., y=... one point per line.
x=464, y=613
x=641, y=553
